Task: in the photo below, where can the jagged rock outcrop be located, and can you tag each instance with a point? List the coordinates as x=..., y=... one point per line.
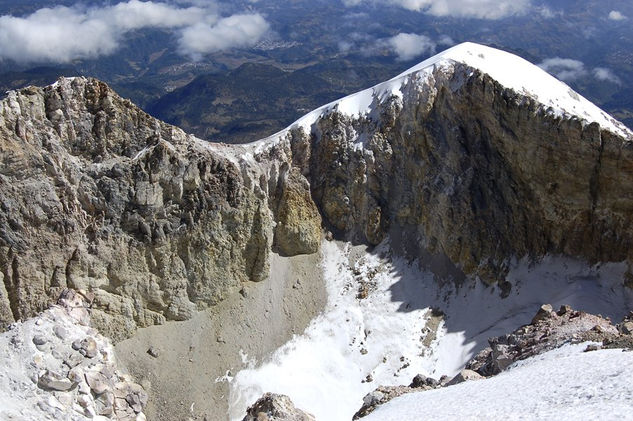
x=548, y=330
x=470, y=173
x=97, y=195
x=460, y=170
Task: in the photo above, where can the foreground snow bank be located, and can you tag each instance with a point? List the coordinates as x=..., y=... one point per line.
x=565, y=383
x=389, y=320
x=56, y=367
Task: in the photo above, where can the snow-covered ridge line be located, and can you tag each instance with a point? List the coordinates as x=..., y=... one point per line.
x=509, y=70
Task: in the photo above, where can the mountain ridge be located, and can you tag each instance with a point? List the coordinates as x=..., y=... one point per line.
x=442, y=145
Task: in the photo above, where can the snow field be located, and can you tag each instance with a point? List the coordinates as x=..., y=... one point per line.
x=565, y=383
x=324, y=370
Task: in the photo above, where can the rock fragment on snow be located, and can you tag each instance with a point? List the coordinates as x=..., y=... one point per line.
x=544, y=312
x=50, y=380
x=465, y=375
x=274, y=407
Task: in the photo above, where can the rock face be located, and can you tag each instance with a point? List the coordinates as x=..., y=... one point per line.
x=97, y=195
x=45, y=376
x=456, y=168
x=469, y=173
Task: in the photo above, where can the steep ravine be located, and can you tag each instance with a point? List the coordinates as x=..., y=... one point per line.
x=460, y=171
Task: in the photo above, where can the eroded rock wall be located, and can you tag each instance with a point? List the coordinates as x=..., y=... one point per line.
x=467, y=175
x=458, y=171
x=97, y=195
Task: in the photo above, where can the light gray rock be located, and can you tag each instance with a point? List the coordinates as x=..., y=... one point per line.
x=88, y=347
x=50, y=380
x=373, y=398
x=98, y=382
x=104, y=404
x=60, y=332
x=465, y=375
x=501, y=357
x=275, y=407
x=39, y=340
x=626, y=328
x=76, y=375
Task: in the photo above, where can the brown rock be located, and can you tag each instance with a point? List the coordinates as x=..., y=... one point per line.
x=544, y=312
x=465, y=375
x=274, y=407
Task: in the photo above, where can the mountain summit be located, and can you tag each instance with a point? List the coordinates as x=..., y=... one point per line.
x=510, y=71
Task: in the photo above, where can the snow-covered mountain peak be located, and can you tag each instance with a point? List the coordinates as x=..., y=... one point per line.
x=523, y=77
x=511, y=71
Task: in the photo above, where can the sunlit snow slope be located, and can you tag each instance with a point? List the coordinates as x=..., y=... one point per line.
x=383, y=335
x=564, y=383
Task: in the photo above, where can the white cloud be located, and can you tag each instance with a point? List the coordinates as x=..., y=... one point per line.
x=62, y=34
x=445, y=40
x=234, y=31
x=405, y=46
x=565, y=69
x=548, y=13
x=607, y=75
x=136, y=14
x=616, y=15
x=410, y=46
x=482, y=9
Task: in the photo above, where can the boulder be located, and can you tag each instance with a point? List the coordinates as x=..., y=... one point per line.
x=465, y=375
x=274, y=407
x=544, y=312
x=50, y=380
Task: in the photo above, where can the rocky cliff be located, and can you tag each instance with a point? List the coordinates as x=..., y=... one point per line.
x=97, y=195
x=458, y=166
x=468, y=174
